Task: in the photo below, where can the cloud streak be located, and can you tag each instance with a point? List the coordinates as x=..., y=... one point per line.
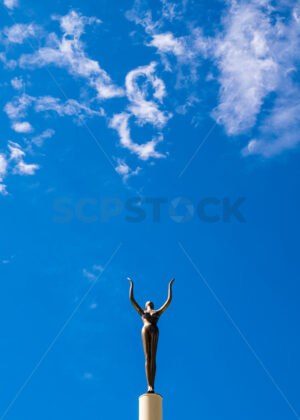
x=18, y=108
x=69, y=53
x=120, y=122
x=17, y=33
x=248, y=69
x=22, y=127
x=142, y=109
x=11, y=4
x=12, y=162
x=124, y=170
x=146, y=110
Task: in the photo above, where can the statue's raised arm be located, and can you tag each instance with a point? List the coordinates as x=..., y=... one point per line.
x=132, y=300
x=168, y=301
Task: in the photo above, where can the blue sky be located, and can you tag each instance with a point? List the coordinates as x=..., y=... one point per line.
x=150, y=139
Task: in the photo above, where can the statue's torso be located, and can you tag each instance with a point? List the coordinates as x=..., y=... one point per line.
x=150, y=318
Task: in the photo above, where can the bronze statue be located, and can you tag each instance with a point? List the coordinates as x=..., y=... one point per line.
x=150, y=332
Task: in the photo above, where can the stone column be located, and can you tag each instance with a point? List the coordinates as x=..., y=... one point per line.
x=150, y=407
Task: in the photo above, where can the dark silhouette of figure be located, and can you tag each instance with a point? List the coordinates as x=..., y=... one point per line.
x=150, y=332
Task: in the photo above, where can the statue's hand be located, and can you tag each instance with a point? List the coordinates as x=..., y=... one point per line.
x=172, y=281
x=129, y=280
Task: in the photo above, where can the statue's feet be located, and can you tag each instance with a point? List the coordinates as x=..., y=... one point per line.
x=150, y=390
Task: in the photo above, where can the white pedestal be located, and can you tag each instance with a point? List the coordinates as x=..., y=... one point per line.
x=150, y=407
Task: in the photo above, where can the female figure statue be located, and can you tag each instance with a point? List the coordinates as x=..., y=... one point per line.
x=150, y=332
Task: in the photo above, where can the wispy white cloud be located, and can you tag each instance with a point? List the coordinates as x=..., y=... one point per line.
x=16, y=153
x=98, y=268
x=146, y=110
x=168, y=12
x=3, y=166
x=248, y=71
x=93, y=273
x=17, y=83
x=141, y=110
x=3, y=190
x=68, y=52
x=12, y=162
x=11, y=4
x=22, y=127
x=23, y=168
x=189, y=52
x=189, y=49
x=7, y=63
x=17, y=156
x=259, y=55
x=191, y=101
x=172, y=11
x=8, y=259
x=18, y=107
x=74, y=23
x=120, y=122
x=39, y=139
x=280, y=129
x=141, y=16
x=124, y=170
x=167, y=43
x=71, y=107
x=18, y=32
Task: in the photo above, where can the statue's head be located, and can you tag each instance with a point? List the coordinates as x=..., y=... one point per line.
x=149, y=305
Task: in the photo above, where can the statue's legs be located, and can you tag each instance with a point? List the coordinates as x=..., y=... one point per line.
x=154, y=341
x=150, y=339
